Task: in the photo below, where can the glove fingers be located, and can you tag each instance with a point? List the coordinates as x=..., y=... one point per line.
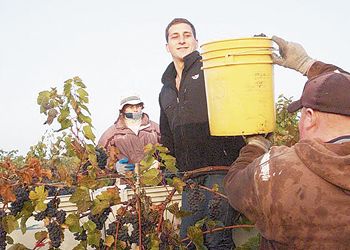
x=277, y=59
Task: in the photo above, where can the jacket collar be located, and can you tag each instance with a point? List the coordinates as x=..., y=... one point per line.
x=170, y=72
x=122, y=128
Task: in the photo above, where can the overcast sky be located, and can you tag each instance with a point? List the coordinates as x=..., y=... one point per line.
x=119, y=45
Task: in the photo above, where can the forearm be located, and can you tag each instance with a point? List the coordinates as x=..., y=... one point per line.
x=319, y=67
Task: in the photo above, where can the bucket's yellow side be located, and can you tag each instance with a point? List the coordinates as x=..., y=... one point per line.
x=240, y=91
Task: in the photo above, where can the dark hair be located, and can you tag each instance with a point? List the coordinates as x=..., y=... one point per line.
x=177, y=21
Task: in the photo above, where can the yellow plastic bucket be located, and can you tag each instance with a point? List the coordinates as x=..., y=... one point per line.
x=239, y=86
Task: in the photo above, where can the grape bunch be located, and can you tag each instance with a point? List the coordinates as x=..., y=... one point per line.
x=50, y=211
x=2, y=238
x=22, y=195
x=80, y=236
x=99, y=219
x=55, y=234
x=2, y=232
x=214, y=207
x=101, y=157
x=196, y=199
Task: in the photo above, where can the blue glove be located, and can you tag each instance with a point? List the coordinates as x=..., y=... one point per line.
x=122, y=166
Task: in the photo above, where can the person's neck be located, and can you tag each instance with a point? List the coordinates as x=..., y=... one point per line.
x=179, y=66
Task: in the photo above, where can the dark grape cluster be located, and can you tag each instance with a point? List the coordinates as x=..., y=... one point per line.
x=214, y=207
x=2, y=238
x=99, y=219
x=55, y=234
x=196, y=199
x=60, y=216
x=2, y=232
x=22, y=195
x=52, y=211
x=80, y=236
x=101, y=157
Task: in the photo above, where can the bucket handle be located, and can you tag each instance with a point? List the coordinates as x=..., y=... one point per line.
x=232, y=55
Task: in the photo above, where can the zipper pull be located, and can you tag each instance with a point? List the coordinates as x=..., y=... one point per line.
x=177, y=99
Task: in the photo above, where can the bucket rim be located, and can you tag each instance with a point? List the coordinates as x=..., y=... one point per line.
x=236, y=39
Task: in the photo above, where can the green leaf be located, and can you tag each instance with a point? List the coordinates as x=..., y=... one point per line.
x=9, y=223
x=39, y=194
x=179, y=213
x=89, y=226
x=72, y=221
x=83, y=118
x=65, y=124
x=85, y=108
x=23, y=224
x=64, y=114
x=88, y=133
x=39, y=236
x=78, y=82
x=81, y=197
x=201, y=222
x=43, y=97
x=18, y=246
x=99, y=206
x=152, y=177
x=40, y=206
x=80, y=246
x=67, y=87
x=83, y=95
x=178, y=184
x=196, y=236
x=93, y=238
x=111, y=195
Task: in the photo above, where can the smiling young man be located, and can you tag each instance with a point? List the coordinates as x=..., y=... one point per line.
x=184, y=131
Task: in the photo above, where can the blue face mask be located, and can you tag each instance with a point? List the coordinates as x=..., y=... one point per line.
x=134, y=116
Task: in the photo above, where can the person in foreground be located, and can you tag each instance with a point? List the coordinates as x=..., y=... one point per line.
x=132, y=131
x=299, y=196
x=184, y=128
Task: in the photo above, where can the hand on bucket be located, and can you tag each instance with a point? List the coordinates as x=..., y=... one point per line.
x=260, y=141
x=292, y=55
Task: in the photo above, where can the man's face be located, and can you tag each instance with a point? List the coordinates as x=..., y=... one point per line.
x=181, y=41
x=130, y=108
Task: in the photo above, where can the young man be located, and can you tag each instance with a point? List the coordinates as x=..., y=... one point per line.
x=185, y=131
x=299, y=197
x=132, y=131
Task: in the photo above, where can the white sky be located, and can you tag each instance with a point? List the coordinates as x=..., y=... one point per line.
x=118, y=45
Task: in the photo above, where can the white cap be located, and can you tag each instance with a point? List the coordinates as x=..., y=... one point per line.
x=129, y=99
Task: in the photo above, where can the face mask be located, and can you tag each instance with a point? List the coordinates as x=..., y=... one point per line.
x=134, y=116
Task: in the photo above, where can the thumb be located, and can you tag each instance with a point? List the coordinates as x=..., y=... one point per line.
x=280, y=41
x=277, y=59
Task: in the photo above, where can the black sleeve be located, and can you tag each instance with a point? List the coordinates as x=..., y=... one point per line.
x=166, y=136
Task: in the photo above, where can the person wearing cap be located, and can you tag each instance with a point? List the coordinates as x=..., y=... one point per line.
x=132, y=131
x=299, y=196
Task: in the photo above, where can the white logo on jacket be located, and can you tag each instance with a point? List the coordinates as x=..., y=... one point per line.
x=265, y=167
x=195, y=77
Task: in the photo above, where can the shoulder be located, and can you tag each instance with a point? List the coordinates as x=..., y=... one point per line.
x=109, y=133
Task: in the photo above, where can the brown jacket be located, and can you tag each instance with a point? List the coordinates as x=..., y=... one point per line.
x=128, y=143
x=298, y=197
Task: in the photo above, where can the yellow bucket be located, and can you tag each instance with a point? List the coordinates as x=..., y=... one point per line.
x=239, y=86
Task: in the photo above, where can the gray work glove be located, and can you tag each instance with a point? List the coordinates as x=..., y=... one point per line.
x=259, y=141
x=292, y=55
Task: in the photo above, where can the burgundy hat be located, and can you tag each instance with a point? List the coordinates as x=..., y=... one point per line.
x=329, y=92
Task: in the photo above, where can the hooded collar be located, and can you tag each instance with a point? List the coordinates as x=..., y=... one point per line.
x=170, y=72
x=330, y=161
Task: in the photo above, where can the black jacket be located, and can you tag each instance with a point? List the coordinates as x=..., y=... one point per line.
x=184, y=123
